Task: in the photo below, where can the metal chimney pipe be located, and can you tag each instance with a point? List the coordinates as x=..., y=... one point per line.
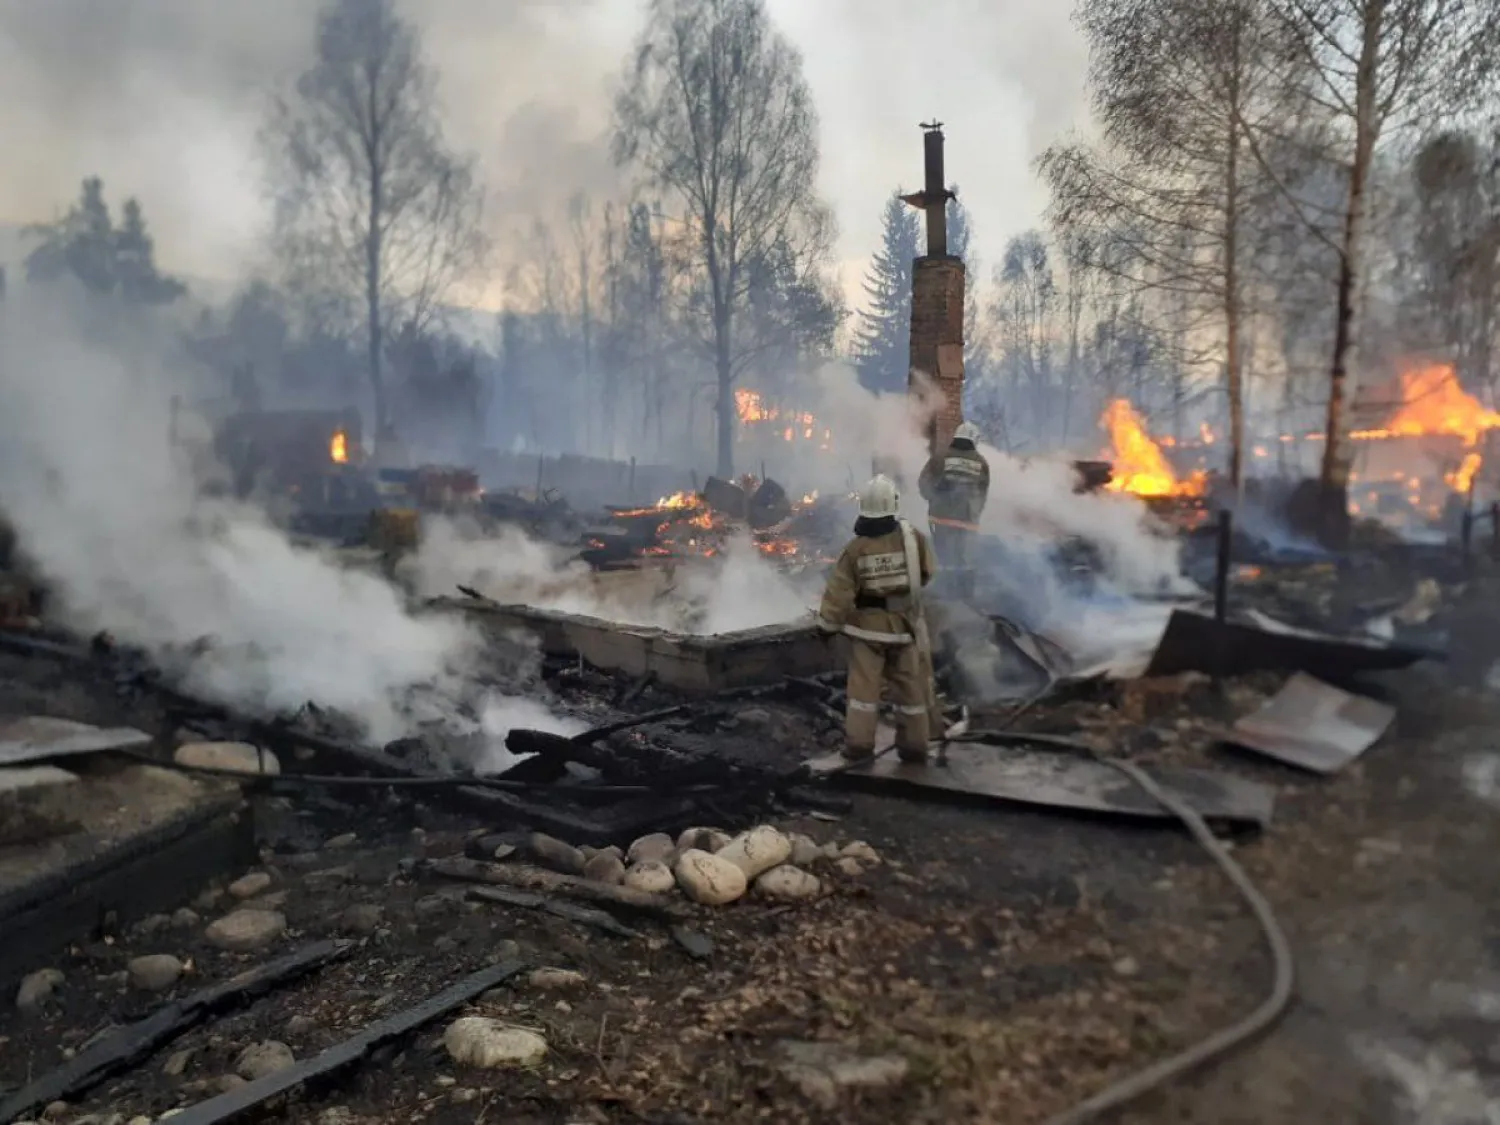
x=936, y=192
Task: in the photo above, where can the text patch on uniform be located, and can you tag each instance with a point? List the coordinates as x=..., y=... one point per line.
x=884, y=573
x=963, y=466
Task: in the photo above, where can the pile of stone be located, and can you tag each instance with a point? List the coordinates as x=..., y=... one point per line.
x=707, y=865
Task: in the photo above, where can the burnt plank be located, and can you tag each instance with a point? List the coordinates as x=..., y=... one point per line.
x=248, y=1101
x=571, y=911
x=527, y=878
x=130, y=1045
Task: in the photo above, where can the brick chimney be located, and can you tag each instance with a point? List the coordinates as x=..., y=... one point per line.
x=937, y=300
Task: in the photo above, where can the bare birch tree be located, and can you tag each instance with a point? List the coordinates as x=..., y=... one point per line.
x=717, y=115
x=1377, y=66
x=1175, y=85
x=373, y=210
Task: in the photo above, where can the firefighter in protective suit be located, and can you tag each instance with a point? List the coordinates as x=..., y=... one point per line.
x=874, y=598
x=956, y=484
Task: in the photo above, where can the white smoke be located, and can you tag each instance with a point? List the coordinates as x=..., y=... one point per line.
x=740, y=588
x=108, y=511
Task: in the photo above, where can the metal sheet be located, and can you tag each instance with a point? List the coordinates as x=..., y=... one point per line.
x=38, y=738
x=1313, y=725
x=1058, y=780
x=1194, y=642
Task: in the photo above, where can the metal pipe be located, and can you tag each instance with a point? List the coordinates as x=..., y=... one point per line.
x=936, y=192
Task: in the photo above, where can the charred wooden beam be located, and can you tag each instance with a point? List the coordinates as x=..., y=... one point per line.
x=572, y=912
x=128, y=1046
x=527, y=878
x=250, y=1100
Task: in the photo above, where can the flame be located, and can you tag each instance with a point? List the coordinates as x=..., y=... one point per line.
x=1433, y=403
x=1461, y=479
x=338, y=447
x=678, y=500
x=1139, y=465
x=750, y=407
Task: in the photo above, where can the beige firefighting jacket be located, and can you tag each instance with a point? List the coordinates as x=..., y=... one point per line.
x=956, y=484
x=870, y=594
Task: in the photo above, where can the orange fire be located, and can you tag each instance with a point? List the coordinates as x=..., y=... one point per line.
x=338, y=447
x=1140, y=467
x=751, y=408
x=1434, y=404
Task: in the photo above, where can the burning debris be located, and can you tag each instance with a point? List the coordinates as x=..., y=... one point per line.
x=791, y=426
x=1139, y=466
x=699, y=525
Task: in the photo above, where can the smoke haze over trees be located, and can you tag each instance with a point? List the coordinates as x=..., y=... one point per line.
x=1255, y=221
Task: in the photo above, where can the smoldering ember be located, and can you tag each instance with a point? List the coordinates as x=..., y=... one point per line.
x=542, y=657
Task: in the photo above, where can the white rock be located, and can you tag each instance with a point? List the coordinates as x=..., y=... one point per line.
x=788, y=884
x=240, y=757
x=260, y=1059
x=805, y=850
x=155, y=972
x=709, y=879
x=861, y=851
x=246, y=931
x=704, y=839
x=605, y=868
x=555, y=854
x=823, y=1071
x=482, y=1042
x=248, y=886
x=757, y=851
x=556, y=979
x=37, y=987
x=658, y=846
x=651, y=876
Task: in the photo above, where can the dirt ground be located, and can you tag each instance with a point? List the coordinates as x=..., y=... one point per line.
x=1012, y=962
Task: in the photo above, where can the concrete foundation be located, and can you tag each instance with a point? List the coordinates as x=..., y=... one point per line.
x=696, y=665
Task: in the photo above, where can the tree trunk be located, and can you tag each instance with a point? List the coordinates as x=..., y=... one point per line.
x=724, y=403
x=1234, y=370
x=373, y=251
x=1334, y=473
x=372, y=301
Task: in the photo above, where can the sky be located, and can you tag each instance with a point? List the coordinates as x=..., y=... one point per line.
x=164, y=100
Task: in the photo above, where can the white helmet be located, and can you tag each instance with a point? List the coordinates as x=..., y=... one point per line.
x=879, y=498
x=967, y=431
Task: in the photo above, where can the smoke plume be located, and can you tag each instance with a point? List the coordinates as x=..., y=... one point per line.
x=738, y=589
x=108, y=510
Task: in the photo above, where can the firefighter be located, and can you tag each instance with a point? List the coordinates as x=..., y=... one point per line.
x=874, y=599
x=956, y=484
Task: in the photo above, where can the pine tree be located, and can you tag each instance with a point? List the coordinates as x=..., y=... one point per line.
x=135, y=262
x=960, y=245
x=86, y=245
x=882, y=347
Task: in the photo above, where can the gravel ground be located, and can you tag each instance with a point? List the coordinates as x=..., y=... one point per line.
x=997, y=965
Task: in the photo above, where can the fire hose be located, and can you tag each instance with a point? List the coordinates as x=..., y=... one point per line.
x=1221, y=1042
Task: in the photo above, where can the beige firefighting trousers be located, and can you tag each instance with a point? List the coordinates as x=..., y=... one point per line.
x=900, y=667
